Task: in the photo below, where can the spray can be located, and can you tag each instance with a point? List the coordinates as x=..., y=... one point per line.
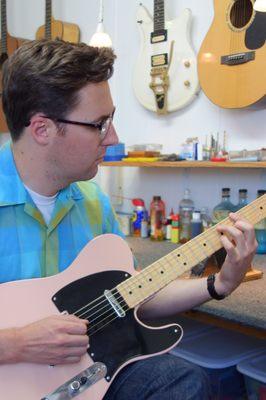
x=139, y=214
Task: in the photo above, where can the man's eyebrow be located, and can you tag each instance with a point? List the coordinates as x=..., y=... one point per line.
x=103, y=116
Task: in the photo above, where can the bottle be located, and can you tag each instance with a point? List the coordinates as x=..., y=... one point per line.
x=223, y=209
x=260, y=230
x=169, y=225
x=186, y=207
x=175, y=229
x=205, y=219
x=196, y=224
x=140, y=213
x=242, y=199
x=157, y=212
x=144, y=232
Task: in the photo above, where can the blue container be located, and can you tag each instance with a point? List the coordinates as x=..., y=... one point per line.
x=115, y=152
x=254, y=371
x=218, y=352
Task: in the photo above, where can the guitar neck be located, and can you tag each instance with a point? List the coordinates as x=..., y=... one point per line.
x=152, y=279
x=48, y=19
x=158, y=13
x=3, y=28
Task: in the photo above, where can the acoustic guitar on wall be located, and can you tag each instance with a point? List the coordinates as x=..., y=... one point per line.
x=55, y=29
x=165, y=76
x=8, y=45
x=232, y=75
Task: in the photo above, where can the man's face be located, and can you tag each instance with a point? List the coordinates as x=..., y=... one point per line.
x=76, y=154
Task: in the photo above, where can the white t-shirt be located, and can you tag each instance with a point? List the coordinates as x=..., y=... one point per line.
x=44, y=203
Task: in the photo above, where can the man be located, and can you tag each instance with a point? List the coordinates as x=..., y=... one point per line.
x=59, y=111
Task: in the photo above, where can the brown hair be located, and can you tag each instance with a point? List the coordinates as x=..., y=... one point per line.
x=45, y=76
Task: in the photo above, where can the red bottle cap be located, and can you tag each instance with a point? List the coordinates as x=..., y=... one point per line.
x=138, y=202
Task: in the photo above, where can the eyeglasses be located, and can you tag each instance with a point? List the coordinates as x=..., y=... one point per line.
x=103, y=126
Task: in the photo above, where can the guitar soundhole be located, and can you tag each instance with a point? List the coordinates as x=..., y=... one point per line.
x=241, y=13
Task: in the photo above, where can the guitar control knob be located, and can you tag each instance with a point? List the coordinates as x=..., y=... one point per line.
x=187, y=64
x=74, y=386
x=187, y=83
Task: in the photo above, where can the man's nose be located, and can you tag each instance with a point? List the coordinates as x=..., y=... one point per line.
x=111, y=138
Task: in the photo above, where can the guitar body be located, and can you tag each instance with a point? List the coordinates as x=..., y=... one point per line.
x=60, y=30
x=56, y=30
x=71, y=32
x=11, y=46
x=231, y=75
x=116, y=344
x=183, y=77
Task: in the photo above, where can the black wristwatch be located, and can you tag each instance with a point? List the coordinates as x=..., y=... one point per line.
x=211, y=288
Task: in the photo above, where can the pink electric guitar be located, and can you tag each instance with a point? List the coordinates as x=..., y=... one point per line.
x=102, y=286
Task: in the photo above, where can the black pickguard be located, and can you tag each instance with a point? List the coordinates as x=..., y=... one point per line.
x=256, y=34
x=122, y=339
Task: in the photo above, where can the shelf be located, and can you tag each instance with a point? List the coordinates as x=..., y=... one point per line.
x=185, y=164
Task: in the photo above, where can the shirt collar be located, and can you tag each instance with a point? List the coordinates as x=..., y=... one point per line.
x=12, y=189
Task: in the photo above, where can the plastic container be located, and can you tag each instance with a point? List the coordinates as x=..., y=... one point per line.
x=186, y=207
x=157, y=216
x=175, y=229
x=219, y=351
x=115, y=152
x=196, y=224
x=254, y=371
x=260, y=230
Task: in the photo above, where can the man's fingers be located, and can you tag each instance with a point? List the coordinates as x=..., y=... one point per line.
x=234, y=234
x=77, y=340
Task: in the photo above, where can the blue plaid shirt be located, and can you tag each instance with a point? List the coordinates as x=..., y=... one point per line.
x=28, y=247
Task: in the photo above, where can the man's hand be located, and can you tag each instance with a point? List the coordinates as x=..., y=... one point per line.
x=240, y=249
x=59, y=339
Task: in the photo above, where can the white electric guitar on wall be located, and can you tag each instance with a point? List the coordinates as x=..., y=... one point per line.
x=165, y=76
x=102, y=286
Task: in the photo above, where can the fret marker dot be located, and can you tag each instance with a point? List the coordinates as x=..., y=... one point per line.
x=162, y=272
x=130, y=292
x=140, y=286
x=185, y=263
x=204, y=244
x=178, y=255
x=150, y=279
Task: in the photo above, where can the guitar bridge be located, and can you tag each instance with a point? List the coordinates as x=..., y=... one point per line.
x=239, y=58
x=78, y=383
x=159, y=84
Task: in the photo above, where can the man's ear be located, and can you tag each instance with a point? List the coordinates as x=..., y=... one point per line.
x=41, y=129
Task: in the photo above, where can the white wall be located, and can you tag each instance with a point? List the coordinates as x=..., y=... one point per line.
x=245, y=128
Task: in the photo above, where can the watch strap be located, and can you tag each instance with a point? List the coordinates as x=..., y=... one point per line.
x=211, y=288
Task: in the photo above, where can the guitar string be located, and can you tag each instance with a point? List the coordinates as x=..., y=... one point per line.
x=92, y=327
x=117, y=299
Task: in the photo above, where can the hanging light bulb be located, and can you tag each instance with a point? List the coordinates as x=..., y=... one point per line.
x=260, y=5
x=100, y=38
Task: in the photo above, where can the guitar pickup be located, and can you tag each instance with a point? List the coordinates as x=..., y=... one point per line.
x=239, y=58
x=159, y=36
x=159, y=60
